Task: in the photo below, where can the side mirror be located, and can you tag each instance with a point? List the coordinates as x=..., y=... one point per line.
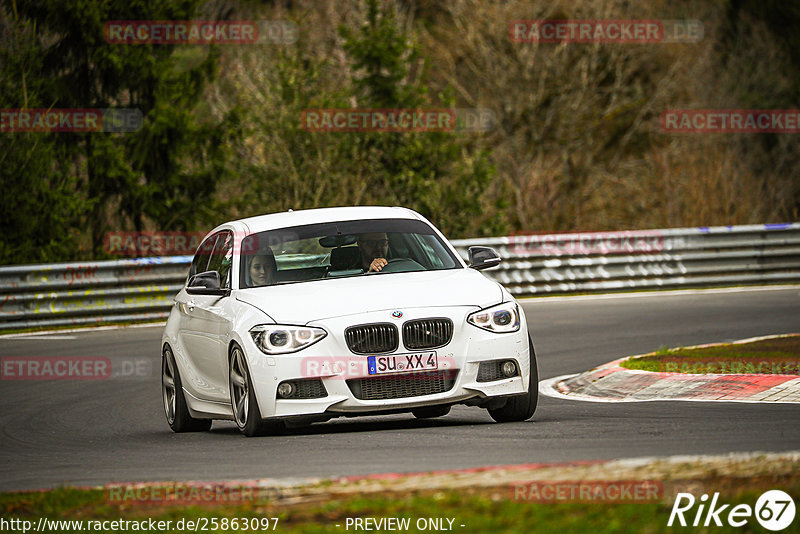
x=206, y=283
x=483, y=258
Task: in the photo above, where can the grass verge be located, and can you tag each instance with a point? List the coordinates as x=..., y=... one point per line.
x=498, y=499
x=478, y=510
x=778, y=355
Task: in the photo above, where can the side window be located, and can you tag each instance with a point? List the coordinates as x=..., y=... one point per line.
x=222, y=258
x=202, y=256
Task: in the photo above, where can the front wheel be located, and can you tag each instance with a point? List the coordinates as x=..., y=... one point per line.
x=521, y=407
x=175, y=408
x=243, y=398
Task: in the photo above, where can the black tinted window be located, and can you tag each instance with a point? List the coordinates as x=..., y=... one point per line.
x=330, y=250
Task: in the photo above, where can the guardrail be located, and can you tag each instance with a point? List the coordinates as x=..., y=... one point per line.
x=142, y=289
x=645, y=259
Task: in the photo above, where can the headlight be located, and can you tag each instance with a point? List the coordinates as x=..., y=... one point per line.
x=283, y=339
x=501, y=318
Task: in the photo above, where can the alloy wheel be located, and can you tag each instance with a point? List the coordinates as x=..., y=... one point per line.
x=239, y=387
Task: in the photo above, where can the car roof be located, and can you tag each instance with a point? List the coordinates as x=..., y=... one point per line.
x=290, y=218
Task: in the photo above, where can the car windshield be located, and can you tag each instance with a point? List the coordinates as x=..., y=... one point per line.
x=341, y=249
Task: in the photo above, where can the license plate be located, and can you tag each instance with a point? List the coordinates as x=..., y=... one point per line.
x=402, y=363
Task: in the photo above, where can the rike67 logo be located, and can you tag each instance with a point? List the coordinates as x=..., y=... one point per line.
x=774, y=510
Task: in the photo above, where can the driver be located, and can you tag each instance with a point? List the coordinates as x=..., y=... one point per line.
x=374, y=247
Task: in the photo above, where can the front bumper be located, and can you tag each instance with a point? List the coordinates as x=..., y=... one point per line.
x=330, y=361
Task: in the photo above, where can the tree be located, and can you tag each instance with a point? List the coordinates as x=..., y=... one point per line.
x=155, y=174
x=443, y=175
x=38, y=207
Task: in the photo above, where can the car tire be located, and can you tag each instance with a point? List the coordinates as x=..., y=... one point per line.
x=521, y=407
x=175, y=408
x=243, y=398
x=430, y=412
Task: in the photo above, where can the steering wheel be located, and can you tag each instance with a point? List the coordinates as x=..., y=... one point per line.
x=396, y=265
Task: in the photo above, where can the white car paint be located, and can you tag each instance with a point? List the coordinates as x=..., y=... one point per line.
x=202, y=329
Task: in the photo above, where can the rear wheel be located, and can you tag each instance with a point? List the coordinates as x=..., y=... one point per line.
x=175, y=408
x=429, y=412
x=243, y=398
x=521, y=407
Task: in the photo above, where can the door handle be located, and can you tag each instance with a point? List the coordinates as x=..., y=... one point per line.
x=190, y=305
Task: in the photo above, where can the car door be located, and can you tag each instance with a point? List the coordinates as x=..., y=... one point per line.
x=206, y=321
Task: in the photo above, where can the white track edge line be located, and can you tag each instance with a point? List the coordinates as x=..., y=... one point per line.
x=87, y=329
x=662, y=293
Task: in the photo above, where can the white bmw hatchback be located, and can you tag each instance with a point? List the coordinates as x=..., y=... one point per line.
x=307, y=315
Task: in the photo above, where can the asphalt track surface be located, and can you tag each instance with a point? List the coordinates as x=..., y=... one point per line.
x=95, y=432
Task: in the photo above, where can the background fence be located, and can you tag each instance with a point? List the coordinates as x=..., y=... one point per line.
x=142, y=289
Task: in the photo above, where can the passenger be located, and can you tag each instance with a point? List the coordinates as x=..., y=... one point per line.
x=374, y=248
x=263, y=269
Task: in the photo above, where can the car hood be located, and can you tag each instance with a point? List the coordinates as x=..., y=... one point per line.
x=304, y=302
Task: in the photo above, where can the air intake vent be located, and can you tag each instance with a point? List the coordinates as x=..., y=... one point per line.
x=311, y=388
x=427, y=333
x=372, y=338
x=490, y=371
x=403, y=385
